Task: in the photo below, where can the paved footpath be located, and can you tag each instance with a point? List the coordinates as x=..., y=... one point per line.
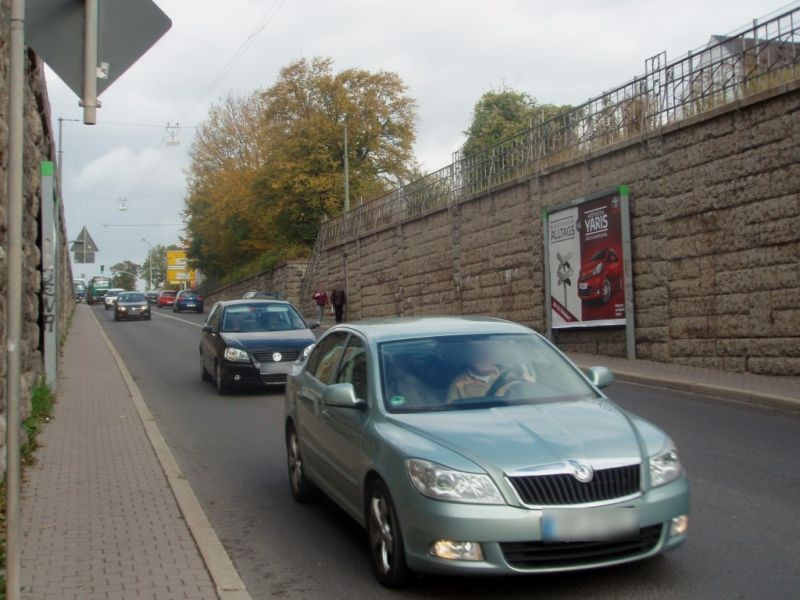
x=100, y=517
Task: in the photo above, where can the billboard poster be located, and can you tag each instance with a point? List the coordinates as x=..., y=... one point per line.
x=585, y=253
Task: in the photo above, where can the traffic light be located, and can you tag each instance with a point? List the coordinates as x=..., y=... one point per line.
x=102, y=268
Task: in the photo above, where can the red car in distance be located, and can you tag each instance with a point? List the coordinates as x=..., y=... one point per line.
x=166, y=298
x=600, y=276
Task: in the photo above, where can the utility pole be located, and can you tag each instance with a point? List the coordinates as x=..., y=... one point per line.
x=346, y=174
x=149, y=263
x=14, y=291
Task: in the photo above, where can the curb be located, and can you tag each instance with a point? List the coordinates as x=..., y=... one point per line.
x=228, y=584
x=696, y=387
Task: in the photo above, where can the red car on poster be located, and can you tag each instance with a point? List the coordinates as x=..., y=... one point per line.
x=600, y=276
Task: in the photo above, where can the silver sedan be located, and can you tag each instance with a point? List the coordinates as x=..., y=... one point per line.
x=473, y=446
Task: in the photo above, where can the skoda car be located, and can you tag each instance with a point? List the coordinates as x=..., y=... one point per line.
x=131, y=305
x=247, y=343
x=474, y=446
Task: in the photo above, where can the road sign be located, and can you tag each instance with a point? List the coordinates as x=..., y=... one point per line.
x=178, y=271
x=126, y=29
x=84, y=247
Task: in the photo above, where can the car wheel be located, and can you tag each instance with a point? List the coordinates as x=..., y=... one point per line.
x=204, y=374
x=116, y=317
x=147, y=318
x=385, y=538
x=606, y=291
x=222, y=387
x=302, y=488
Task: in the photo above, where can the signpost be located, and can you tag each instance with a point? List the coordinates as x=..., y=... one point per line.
x=91, y=43
x=178, y=271
x=84, y=247
x=69, y=35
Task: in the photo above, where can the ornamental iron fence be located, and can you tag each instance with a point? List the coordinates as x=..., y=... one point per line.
x=728, y=69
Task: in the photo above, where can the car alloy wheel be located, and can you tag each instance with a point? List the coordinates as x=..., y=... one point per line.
x=301, y=487
x=385, y=539
x=606, y=292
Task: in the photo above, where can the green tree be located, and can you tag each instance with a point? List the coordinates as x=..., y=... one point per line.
x=501, y=114
x=266, y=168
x=125, y=274
x=159, y=258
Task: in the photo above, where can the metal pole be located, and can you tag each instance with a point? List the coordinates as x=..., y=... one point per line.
x=89, y=102
x=346, y=174
x=61, y=153
x=14, y=291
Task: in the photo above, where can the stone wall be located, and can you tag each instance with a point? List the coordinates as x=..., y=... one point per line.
x=39, y=147
x=715, y=209
x=285, y=277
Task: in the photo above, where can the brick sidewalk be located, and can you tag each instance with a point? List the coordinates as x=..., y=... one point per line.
x=99, y=519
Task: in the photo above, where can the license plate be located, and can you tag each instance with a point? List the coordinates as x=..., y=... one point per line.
x=190, y=304
x=583, y=286
x=589, y=524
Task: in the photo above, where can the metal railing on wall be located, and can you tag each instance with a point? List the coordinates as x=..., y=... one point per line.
x=730, y=68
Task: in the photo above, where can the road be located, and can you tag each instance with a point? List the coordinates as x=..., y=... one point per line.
x=742, y=462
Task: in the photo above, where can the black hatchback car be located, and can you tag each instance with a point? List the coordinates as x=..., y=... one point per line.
x=246, y=343
x=131, y=305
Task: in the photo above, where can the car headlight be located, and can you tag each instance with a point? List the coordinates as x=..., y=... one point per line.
x=665, y=466
x=440, y=483
x=236, y=355
x=598, y=269
x=306, y=351
x=122, y=307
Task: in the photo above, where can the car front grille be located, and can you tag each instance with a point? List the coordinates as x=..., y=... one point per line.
x=278, y=378
x=563, y=488
x=266, y=355
x=541, y=555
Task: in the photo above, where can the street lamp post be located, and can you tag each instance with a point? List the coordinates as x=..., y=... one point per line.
x=149, y=263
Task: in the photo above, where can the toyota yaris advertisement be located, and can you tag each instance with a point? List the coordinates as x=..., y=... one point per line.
x=587, y=284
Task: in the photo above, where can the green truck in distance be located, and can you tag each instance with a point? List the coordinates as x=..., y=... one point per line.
x=97, y=289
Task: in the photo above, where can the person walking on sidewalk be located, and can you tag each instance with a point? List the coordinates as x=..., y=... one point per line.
x=321, y=301
x=338, y=299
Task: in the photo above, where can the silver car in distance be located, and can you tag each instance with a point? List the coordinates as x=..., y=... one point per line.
x=474, y=446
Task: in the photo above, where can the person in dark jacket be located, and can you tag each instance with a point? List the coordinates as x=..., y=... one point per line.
x=338, y=299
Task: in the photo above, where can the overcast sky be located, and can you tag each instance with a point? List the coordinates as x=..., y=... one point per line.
x=448, y=52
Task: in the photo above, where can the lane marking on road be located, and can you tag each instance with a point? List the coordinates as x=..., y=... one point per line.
x=177, y=319
x=229, y=585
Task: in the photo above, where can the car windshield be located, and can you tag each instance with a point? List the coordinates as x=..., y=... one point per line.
x=188, y=295
x=599, y=255
x=261, y=316
x=131, y=297
x=168, y=294
x=112, y=293
x=475, y=371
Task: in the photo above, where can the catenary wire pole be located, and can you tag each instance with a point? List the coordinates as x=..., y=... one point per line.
x=14, y=291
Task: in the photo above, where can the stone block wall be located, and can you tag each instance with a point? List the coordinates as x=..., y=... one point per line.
x=715, y=211
x=285, y=277
x=38, y=147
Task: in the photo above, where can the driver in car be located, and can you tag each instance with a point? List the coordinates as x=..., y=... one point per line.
x=483, y=376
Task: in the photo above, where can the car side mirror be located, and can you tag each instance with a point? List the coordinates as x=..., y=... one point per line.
x=600, y=376
x=313, y=325
x=208, y=329
x=342, y=395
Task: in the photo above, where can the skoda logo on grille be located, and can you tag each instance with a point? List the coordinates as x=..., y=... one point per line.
x=277, y=356
x=581, y=471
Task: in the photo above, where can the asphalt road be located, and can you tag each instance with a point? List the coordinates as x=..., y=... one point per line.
x=742, y=463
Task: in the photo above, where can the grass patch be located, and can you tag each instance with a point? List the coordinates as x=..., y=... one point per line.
x=42, y=400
